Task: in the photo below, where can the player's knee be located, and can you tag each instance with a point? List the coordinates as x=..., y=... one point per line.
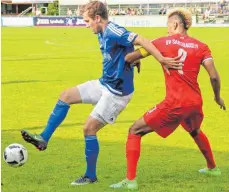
x=70, y=96
x=91, y=127
x=133, y=129
x=137, y=130
x=89, y=130
x=194, y=133
x=65, y=96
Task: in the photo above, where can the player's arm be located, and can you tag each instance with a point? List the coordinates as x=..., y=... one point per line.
x=126, y=38
x=151, y=49
x=215, y=81
x=135, y=56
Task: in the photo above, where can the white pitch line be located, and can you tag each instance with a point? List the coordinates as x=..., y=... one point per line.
x=66, y=45
x=58, y=44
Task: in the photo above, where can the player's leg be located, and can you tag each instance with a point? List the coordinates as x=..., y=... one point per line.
x=136, y=131
x=133, y=147
x=75, y=95
x=106, y=111
x=92, y=126
x=204, y=145
x=157, y=120
x=192, y=124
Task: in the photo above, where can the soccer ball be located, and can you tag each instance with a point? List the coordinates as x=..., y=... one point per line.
x=15, y=155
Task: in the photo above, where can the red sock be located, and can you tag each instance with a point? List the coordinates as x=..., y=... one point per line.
x=132, y=155
x=204, y=146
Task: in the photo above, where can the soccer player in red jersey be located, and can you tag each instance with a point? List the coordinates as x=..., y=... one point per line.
x=183, y=102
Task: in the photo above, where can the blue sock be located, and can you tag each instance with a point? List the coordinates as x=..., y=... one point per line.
x=57, y=116
x=91, y=153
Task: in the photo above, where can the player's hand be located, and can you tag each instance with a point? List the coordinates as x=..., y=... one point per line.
x=172, y=63
x=220, y=102
x=138, y=65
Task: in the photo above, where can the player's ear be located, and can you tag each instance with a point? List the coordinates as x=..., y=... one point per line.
x=175, y=25
x=97, y=19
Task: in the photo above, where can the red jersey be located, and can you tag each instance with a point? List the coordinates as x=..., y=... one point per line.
x=182, y=88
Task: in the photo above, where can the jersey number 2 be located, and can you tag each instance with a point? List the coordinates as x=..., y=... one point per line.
x=183, y=54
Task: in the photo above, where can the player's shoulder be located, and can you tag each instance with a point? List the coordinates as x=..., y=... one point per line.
x=114, y=30
x=199, y=42
x=114, y=25
x=159, y=39
x=160, y=42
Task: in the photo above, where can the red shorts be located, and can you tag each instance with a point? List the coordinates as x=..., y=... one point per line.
x=165, y=119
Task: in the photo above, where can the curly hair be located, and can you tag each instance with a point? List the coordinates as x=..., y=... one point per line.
x=95, y=8
x=184, y=15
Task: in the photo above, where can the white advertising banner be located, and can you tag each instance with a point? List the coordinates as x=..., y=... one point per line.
x=139, y=21
x=17, y=21
x=143, y=21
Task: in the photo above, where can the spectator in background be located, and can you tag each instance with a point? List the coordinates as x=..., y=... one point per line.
x=192, y=10
x=198, y=10
x=222, y=4
x=207, y=13
x=226, y=11
x=116, y=12
x=77, y=12
x=122, y=12
x=128, y=11
x=38, y=12
x=133, y=12
x=69, y=12
x=34, y=11
x=162, y=11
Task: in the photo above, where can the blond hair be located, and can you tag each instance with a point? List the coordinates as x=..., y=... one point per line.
x=95, y=8
x=184, y=14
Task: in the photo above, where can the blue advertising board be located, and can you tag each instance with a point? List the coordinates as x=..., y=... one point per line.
x=59, y=21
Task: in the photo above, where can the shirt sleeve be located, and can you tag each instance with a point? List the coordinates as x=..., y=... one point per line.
x=122, y=36
x=157, y=42
x=206, y=53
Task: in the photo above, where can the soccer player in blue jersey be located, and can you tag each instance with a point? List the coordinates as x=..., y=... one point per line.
x=110, y=94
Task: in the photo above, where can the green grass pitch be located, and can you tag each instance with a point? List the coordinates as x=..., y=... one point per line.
x=38, y=63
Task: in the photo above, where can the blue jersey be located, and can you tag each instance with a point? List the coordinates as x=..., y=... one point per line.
x=115, y=43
